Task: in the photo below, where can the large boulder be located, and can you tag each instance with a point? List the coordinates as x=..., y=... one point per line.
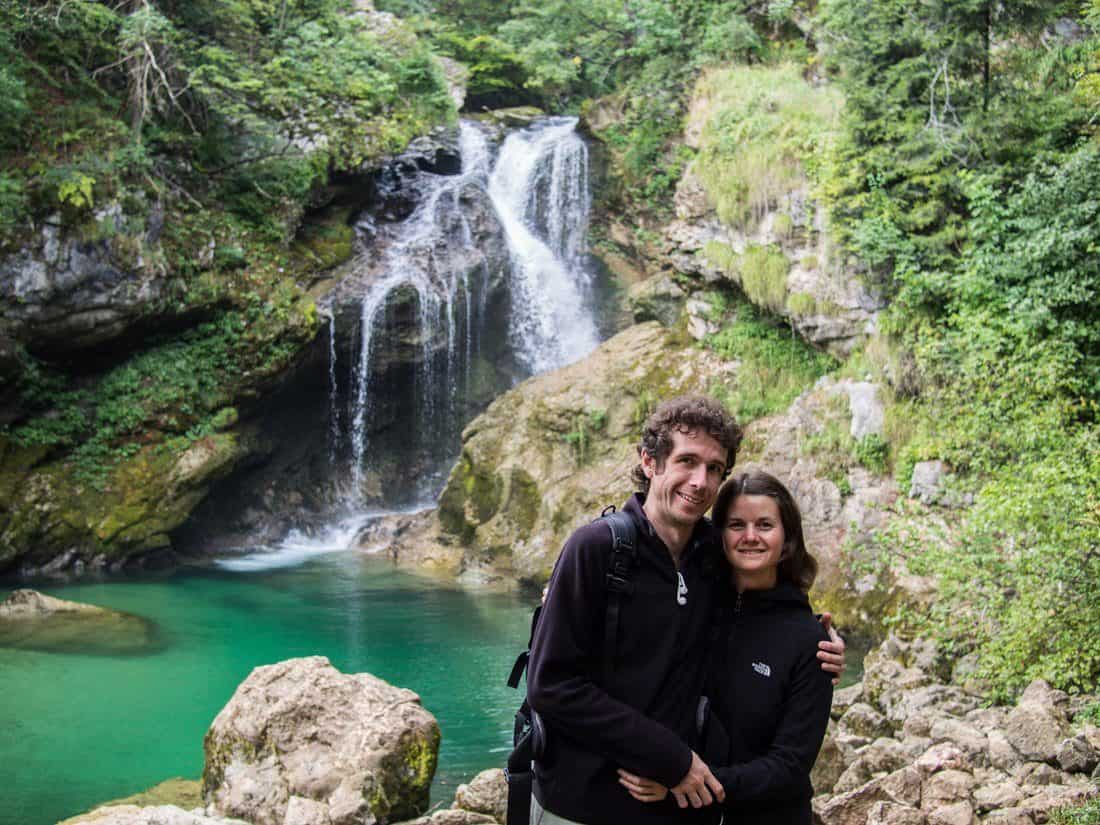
x=1038, y=724
x=550, y=454
x=301, y=741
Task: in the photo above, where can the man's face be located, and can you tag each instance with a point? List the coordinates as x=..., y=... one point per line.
x=683, y=487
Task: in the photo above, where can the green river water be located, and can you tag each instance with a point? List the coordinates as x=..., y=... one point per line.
x=78, y=728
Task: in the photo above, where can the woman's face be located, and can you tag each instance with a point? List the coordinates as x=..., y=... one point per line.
x=753, y=540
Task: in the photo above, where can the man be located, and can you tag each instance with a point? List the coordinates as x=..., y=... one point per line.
x=642, y=718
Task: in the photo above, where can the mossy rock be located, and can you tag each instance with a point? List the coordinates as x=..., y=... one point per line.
x=520, y=488
x=326, y=239
x=143, y=498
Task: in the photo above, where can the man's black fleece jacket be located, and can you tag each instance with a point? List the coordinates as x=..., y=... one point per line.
x=772, y=698
x=644, y=718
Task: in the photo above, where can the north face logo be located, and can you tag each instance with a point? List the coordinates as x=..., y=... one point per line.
x=762, y=668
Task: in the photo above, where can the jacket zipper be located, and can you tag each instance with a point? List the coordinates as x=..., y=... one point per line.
x=681, y=589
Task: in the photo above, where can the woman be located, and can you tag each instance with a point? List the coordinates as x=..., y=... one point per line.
x=767, y=689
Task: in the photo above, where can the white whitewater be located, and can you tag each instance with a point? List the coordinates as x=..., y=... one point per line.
x=539, y=187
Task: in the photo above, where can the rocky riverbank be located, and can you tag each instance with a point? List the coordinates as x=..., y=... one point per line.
x=300, y=743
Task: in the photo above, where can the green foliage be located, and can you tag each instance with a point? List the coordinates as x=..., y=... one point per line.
x=1019, y=578
x=775, y=365
x=244, y=105
x=801, y=304
x=180, y=386
x=763, y=276
x=873, y=452
x=766, y=130
x=1087, y=814
x=497, y=77
x=584, y=427
x=1091, y=714
x=958, y=84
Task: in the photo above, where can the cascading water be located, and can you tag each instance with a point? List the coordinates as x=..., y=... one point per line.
x=538, y=188
x=486, y=274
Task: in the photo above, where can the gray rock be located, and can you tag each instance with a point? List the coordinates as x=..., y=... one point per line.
x=1036, y=774
x=904, y=786
x=927, y=481
x=844, y=698
x=1076, y=755
x=987, y=719
x=868, y=412
x=863, y=720
x=450, y=816
x=62, y=293
x=1000, y=795
x=486, y=793
x=1036, y=730
x=1039, y=693
x=884, y=755
x=946, y=788
x=829, y=764
x=942, y=757
x=658, y=298
x=1009, y=816
x=30, y=604
x=973, y=742
x=957, y=813
x=1001, y=753
x=853, y=807
x=854, y=776
x=1050, y=799
x=361, y=748
x=890, y=813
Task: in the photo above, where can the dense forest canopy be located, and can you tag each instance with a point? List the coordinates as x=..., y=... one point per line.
x=964, y=184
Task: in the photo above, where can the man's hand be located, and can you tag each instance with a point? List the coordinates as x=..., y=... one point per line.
x=698, y=787
x=644, y=790
x=831, y=653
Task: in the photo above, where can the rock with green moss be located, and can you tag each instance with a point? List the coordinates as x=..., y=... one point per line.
x=551, y=453
x=34, y=621
x=52, y=519
x=299, y=741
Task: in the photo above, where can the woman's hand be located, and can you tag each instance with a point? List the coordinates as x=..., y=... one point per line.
x=644, y=790
x=831, y=653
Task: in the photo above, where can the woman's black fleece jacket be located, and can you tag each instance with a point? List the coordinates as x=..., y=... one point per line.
x=772, y=698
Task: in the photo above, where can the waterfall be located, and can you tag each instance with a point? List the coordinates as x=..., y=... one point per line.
x=538, y=190
x=539, y=187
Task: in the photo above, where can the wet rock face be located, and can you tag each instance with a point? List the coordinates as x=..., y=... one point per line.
x=943, y=758
x=62, y=293
x=301, y=742
x=549, y=455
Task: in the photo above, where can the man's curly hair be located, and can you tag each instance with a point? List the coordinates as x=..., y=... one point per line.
x=688, y=413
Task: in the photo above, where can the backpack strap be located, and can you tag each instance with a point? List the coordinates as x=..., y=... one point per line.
x=624, y=555
x=520, y=664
